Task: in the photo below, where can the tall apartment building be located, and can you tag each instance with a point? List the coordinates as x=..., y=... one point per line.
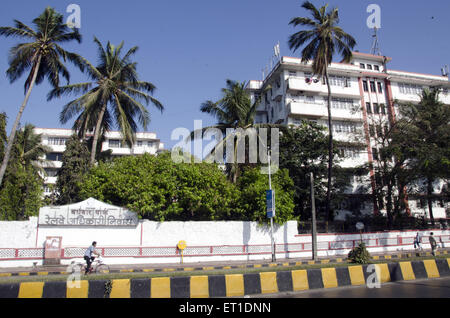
x=363, y=95
x=56, y=139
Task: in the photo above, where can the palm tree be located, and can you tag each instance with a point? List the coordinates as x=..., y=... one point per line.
x=29, y=149
x=234, y=110
x=323, y=38
x=425, y=128
x=113, y=95
x=41, y=56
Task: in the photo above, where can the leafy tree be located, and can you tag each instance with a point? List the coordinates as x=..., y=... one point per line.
x=253, y=185
x=75, y=164
x=114, y=95
x=161, y=190
x=304, y=149
x=323, y=38
x=426, y=126
x=21, y=192
x=41, y=56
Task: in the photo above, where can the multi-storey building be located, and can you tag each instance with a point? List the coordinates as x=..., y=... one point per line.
x=56, y=140
x=363, y=96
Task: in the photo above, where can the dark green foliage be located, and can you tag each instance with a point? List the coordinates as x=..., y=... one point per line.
x=22, y=189
x=159, y=189
x=253, y=185
x=75, y=164
x=359, y=254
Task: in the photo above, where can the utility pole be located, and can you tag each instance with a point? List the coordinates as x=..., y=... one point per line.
x=314, y=227
x=272, y=243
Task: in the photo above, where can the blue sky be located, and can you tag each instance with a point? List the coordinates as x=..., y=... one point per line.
x=189, y=48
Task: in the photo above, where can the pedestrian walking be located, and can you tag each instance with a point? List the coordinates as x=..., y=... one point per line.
x=417, y=242
x=433, y=244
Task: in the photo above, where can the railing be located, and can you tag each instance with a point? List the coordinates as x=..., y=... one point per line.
x=7, y=254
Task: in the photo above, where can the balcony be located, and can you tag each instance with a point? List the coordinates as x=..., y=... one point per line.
x=319, y=110
x=294, y=84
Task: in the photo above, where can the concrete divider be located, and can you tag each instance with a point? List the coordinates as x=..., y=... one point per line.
x=232, y=285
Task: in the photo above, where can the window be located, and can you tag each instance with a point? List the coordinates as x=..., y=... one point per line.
x=115, y=144
x=362, y=66
x=383, y=109
x=371, y=131
x=375, y=154
x=51, y=172
x=410, y=88
x=55, y=141
x=365, y=85
x=340, y=81
x=139, y=143
x=380, y=88
x=151, y=143
x=369, y=67
x=372, y=87
x=310, y=99
x=344, y=127
x=340, y=103
x=54, y=156
x=377, y=68
x=376, y=108
x=292, y=73
x=369, y=108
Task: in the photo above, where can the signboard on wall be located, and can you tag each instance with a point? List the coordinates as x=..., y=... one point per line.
x=90, y=213
x=52, y=250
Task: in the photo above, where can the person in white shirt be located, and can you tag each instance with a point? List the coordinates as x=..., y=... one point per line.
x=89, y=258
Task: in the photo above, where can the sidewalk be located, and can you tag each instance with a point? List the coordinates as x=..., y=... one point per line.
x=208, y=266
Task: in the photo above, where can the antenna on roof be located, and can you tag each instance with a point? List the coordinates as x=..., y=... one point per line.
x=375, y=45
x=445, y=71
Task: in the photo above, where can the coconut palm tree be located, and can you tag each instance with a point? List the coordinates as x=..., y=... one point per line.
x=114, y=95
x=322, y=38
x=40, y=56
x=235, y=111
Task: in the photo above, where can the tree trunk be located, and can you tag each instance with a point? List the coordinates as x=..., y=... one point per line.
x=330, y=149
x=12, y=136
x=430, y=198
x=97, y=134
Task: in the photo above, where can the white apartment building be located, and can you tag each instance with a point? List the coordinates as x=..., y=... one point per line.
x=56, y=139
x=363, y=95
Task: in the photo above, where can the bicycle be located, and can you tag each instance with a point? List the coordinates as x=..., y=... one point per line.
x=97, y=266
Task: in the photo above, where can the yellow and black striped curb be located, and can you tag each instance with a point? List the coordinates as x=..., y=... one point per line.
x=231, y=285
x=211, y=268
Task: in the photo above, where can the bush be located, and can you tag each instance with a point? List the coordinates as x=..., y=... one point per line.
x=359, y=254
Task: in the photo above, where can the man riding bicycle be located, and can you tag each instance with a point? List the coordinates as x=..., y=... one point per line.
x=89, y=258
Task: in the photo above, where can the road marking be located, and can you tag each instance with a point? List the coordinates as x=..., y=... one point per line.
x=31, y=290
x=407, y=271
x=356, y=275
x=81, y=292
x=300, y=280
x=382, y=271
x=120, y=288
x=199, y=287
x=234, y=285
x=160, y=287
x=329, y=277
x=268, y=282
x=431, y=268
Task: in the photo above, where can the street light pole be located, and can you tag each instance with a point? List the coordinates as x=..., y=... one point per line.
x=313, y=212
x=272, y=245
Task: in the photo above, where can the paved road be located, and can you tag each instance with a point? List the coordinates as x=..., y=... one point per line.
x=430, y=288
